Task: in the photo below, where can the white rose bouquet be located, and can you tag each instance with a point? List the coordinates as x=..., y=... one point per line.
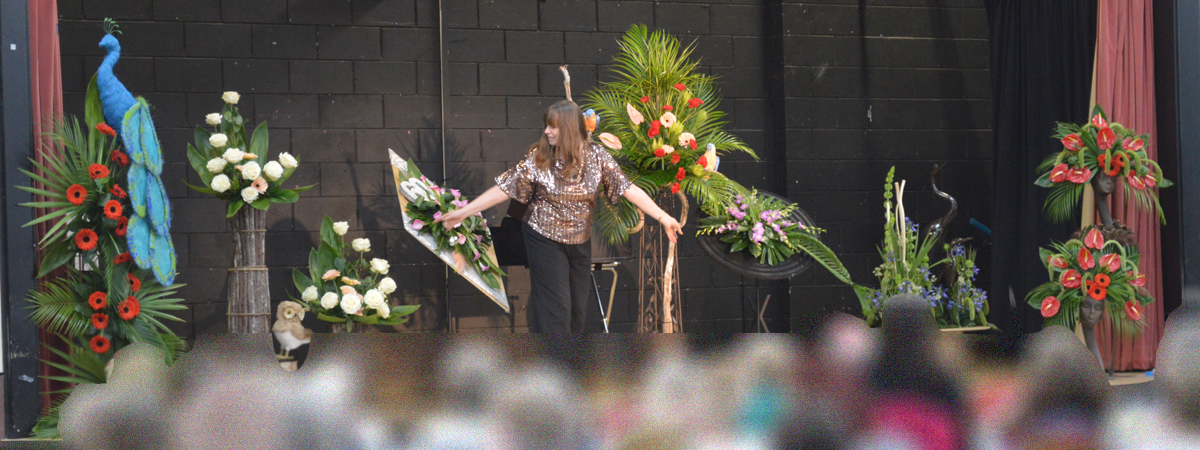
x=344, y=286
x=234, y=168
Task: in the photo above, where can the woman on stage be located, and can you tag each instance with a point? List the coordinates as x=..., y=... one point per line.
x=559, y=179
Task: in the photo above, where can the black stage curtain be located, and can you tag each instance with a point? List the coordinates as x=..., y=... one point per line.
x=1041, y=63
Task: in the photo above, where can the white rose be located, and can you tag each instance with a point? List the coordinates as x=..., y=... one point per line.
x=329, y=300
x=219, y=140
x=273, y=170
x=309, y=294
x=351, y=303
x=249, y=194
x=379, y=266
x=361, y=245
x=213, y=119
x=387, y=285
x=216, y=165
x=341, y=228
x=251, y=170
x=287, y=160
x=230, y=97
x=374, y=299
x=234, y=155
x=384, y=312
x=220, y=183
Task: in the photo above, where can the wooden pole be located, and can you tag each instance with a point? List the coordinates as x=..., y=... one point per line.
x=249, y=309
x=669, y=312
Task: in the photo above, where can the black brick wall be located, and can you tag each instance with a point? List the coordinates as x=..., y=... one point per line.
x=340, y=81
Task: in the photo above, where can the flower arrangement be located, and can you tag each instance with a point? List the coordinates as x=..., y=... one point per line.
x=906, y=269
x=1099, y=148
x=664, y=128
x=234, y=168
x=469, y=241
x=759, y=224
x=343, y=289
x=1093, y=267
x=103, y=301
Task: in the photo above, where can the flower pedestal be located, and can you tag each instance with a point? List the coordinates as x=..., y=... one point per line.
x=658, y=294
x=249, y=292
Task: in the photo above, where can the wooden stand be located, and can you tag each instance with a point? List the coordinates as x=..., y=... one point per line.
x=249, y=308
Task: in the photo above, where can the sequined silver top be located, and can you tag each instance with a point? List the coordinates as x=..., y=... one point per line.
x=561, y=208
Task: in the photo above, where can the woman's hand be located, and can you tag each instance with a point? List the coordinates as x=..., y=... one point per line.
x=671, y=226
x=453, y=218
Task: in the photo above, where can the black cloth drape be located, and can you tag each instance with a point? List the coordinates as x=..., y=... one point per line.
x=1041, y=63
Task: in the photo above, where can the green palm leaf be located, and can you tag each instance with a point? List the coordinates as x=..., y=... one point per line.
x=54, y=307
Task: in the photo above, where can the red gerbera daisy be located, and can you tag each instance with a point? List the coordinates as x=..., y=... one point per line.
x=120, y=157
x=1096, y=291
x=98, y=171
x=674, y=188
x=1103, y=280
x=85, y=239
x=100, y=321
x=117, y=192
x=104, y=128
x=129, y=308
x=76, y=194
x=100, y=344
x=122, y=223
x=679, y=175
x=113, y=209
x=134, y=282
x=98, y=300
x=122, y=258
x=674, y=158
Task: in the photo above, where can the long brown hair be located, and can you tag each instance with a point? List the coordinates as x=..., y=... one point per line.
x=572, y=135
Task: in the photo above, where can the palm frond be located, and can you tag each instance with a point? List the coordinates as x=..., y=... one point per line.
x=55, y=307
x=1062, y=201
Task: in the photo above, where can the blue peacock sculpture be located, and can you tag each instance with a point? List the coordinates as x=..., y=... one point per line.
x=149, y=227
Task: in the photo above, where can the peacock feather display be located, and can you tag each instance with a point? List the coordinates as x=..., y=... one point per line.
x=150, y=221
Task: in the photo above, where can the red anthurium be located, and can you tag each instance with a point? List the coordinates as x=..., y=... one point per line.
x=1133, y=310
x=1049, y=306
x=1133, y=145
x=1057, y=261
x=1094, y=239
x=1079, y=175
x=680, y=87
x=1135, y=181
x=1071, y=279
x=1105, y=138
x=1139, y=281
x=1149, y=180
x=1086, y=260
x=1111, y=261
x=1072, y=142
x=695, y=102
x=1099, y=121
x=1059, y=173
x=674, y=188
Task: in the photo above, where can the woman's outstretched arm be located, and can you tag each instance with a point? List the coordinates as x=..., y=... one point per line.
x=488, y=199
x=639, y=199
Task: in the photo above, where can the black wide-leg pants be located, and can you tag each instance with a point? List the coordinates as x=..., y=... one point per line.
x=559, y=279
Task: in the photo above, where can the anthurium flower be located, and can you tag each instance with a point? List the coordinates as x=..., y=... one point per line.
x=1057, y=261
x=1139, y=281
x=1105, y=138
x=610, y=141
x=1049, y=306
x=1133, y=310
x=1094, y=239
x=1086, y=260
x=1111, y=261
x=634, y=115
x=1072, y=142
x=1132, y=144
x=1149, y=180
x=1135, y=181
x=1079, y=175
x=1059, y=173
x=1071, y=279
x=1099, y=121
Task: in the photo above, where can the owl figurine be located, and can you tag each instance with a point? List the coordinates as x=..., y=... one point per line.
x=288, y=330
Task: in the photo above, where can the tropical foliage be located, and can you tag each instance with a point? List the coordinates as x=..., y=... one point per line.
x=1097, y=268
x=228, y=162
x=102, y=301
x=662, y=125
x=1094, y=148
x=343, y=287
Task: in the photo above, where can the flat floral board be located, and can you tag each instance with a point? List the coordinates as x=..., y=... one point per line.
x=446, y=255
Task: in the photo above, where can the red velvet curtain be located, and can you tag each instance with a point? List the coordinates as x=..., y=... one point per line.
x=45, y=85
x=1125, y=89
